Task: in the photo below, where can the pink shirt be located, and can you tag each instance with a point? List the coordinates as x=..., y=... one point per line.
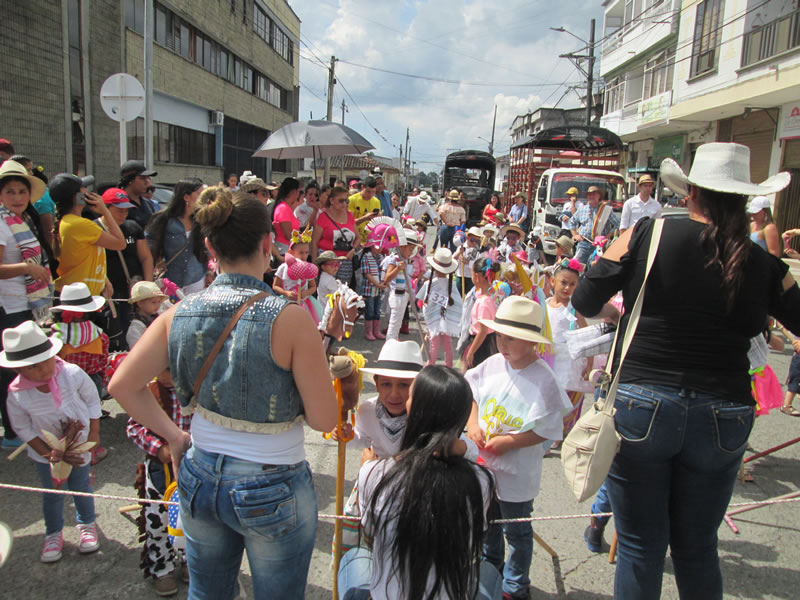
x=283, y=214
x=484, y=308
x=330, y=232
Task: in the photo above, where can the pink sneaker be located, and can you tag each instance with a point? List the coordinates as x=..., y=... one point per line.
x=53, y=544
x=88, y=536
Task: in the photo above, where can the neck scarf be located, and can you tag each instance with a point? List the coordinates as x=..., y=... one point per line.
x=392, y=426
x=22, y=383
x=38, y=292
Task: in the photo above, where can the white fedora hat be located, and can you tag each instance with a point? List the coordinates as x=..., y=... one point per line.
x=519, y=317
x=27, y=344
x=442, y=261
x=76, y=297
x=721, y=167
x=397, y=359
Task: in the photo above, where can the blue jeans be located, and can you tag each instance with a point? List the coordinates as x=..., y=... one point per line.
x=355, y=575
x=446, y=234
x=601, y=504
x=670, y=485
x=229, y=505
x=520, y=545
x=53, y=504
x=372, y=307
x=583, y=250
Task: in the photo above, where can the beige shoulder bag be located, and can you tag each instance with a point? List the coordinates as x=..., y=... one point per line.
x=591, y=446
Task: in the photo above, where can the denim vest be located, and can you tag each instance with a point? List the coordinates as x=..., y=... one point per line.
x=185, y=269
x=244, y=390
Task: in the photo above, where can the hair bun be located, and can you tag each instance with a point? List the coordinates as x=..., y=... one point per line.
x=214, y=207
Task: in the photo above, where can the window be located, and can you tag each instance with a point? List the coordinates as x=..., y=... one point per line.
x=707, y=35
x=134, y=15
x=261, y=23
x=634, y=80
x=614, y=93
x=240, y=140
x=162, y=26
x=658, y=74
x=172, y=144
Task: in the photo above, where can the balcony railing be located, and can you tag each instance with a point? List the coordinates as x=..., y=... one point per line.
x=773, y=38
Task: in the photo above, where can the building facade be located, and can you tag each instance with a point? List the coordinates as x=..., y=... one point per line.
x=225, y=75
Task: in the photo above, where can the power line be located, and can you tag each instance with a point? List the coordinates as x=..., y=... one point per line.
x=339, y=81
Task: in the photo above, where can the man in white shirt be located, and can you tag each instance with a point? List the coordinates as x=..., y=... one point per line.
x=641, y=205
x=416, y=206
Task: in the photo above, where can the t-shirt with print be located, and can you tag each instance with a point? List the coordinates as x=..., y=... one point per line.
x=360, y=207
x=80, y=258
x=484, y=308
x=515, y=401
x=133, y=232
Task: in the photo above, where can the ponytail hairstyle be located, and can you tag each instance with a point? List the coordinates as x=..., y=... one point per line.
x=434, y=502
x=725, y=238
x=487, y=267
x=234, y=224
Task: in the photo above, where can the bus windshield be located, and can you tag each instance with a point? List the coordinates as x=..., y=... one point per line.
x=610, y=184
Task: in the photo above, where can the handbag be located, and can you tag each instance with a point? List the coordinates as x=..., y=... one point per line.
x=590, y=448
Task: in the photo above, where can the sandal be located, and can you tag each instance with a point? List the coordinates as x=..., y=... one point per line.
x=98, y=454
x=790, y=410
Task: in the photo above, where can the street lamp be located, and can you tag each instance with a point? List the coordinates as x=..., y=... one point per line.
x=488, y=142
x=588, y=73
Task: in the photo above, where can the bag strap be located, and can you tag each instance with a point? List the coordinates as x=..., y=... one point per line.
x=633, y=321
x=222, y=337
x=177, y=254
x=121, y=260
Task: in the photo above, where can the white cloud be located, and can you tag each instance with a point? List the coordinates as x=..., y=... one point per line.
x=465, y=40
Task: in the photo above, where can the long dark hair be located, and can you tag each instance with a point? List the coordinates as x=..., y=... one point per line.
x=726, y=237
x=287, y=186
x=157, y=227
x=434, y=501
x=33, y=219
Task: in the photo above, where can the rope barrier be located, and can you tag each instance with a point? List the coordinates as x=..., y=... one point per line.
x=25, y=488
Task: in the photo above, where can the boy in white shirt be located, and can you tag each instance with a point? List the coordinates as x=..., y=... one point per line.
x=518, y=406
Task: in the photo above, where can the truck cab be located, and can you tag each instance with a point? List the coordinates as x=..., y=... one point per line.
x=551, y=196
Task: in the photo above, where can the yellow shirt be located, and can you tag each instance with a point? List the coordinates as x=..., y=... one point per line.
x=80, y=259
x=360, y=207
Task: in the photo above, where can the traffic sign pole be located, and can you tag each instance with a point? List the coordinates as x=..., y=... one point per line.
x=122, y=98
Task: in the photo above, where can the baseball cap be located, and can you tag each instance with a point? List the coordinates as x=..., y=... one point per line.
x=117, y=197
x=758, y=204
x=135, y=167
x=6, y=146
x=66, y=185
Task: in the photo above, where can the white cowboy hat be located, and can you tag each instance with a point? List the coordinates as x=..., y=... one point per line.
x=144, y=290
x=514, y=228
x=397, y=359
x=475, y=231
x=720, y=167
x=442, y=261
x=76, y=297
x=758, y=204
x=27, y=344
x=518, y=317
x=12, y=168
x=423, y=195
x=489, y=231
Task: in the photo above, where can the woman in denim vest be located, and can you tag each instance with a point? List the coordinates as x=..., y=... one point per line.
x=684, y=408
x=244, y=482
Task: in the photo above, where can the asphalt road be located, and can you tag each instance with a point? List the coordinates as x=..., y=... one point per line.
x=759, y=563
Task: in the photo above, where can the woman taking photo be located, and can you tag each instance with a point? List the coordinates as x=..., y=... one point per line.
x=25, y=282
x=684, y=406
x=425, y=509
x=245, y=483
x=172, y=241
x=763, y=230
x=336, y=230
x=282, y=212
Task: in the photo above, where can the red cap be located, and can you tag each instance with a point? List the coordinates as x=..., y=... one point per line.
x=6, y=146
x=117, y=197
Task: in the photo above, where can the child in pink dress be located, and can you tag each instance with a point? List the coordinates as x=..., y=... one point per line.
x=297, y=279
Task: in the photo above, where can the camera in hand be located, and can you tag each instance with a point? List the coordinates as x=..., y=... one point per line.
x=342, y=245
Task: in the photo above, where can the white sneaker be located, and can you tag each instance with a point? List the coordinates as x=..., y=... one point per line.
x=53, y=544
x=88, y=538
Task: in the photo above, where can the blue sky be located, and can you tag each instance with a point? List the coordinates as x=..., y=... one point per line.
x=506, y=44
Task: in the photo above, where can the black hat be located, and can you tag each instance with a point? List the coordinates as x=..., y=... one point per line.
x=66, y=185
x=135, y=167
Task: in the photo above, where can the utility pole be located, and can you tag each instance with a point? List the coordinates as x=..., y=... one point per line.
x=590, y=77
x=331, y=83
x=148, y=82
x=494, y=121
x=341, y=164
x=405, y=163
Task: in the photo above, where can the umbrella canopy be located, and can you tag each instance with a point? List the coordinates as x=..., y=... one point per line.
x=312, y=139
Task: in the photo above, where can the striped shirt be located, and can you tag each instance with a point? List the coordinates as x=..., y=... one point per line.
x=370, y=265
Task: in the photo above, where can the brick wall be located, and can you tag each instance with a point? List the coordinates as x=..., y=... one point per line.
x=32, y=98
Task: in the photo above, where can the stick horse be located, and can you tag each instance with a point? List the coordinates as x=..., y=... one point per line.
x=340, y=314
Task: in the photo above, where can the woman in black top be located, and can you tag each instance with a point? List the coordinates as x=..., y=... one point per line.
x=684, y=407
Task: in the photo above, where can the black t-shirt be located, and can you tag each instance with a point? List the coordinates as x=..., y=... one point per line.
x=686, y=337
x=142, y=211
x=116, y=274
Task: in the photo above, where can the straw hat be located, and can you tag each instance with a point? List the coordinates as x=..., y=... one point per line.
x=11, y=168
x=566, y=243
x=475, y=231
x=423, y=195
x=144, y=290
x=327, y=256
x=646, y=178
x=76, y=297
x=521, y=195
x=453, y=195
x=27, y=344
x=489, y=231
x=514, y=228
x=721, y=167
x=397, y=359
x=442, y=261
x=520, y=318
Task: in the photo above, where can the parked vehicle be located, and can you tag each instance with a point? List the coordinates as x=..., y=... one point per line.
x=472, y=172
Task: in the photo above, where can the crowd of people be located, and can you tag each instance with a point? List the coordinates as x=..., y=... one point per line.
x=110, y=295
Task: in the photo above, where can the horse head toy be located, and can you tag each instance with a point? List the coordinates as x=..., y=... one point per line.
x=340, y=314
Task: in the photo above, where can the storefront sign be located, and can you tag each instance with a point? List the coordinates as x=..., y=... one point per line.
x=790, y=121
x=669, y=147
x=655, y=109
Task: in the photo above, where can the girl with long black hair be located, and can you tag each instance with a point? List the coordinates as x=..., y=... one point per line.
x=425, y=509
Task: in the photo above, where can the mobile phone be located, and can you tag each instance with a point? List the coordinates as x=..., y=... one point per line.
x=376, y=210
